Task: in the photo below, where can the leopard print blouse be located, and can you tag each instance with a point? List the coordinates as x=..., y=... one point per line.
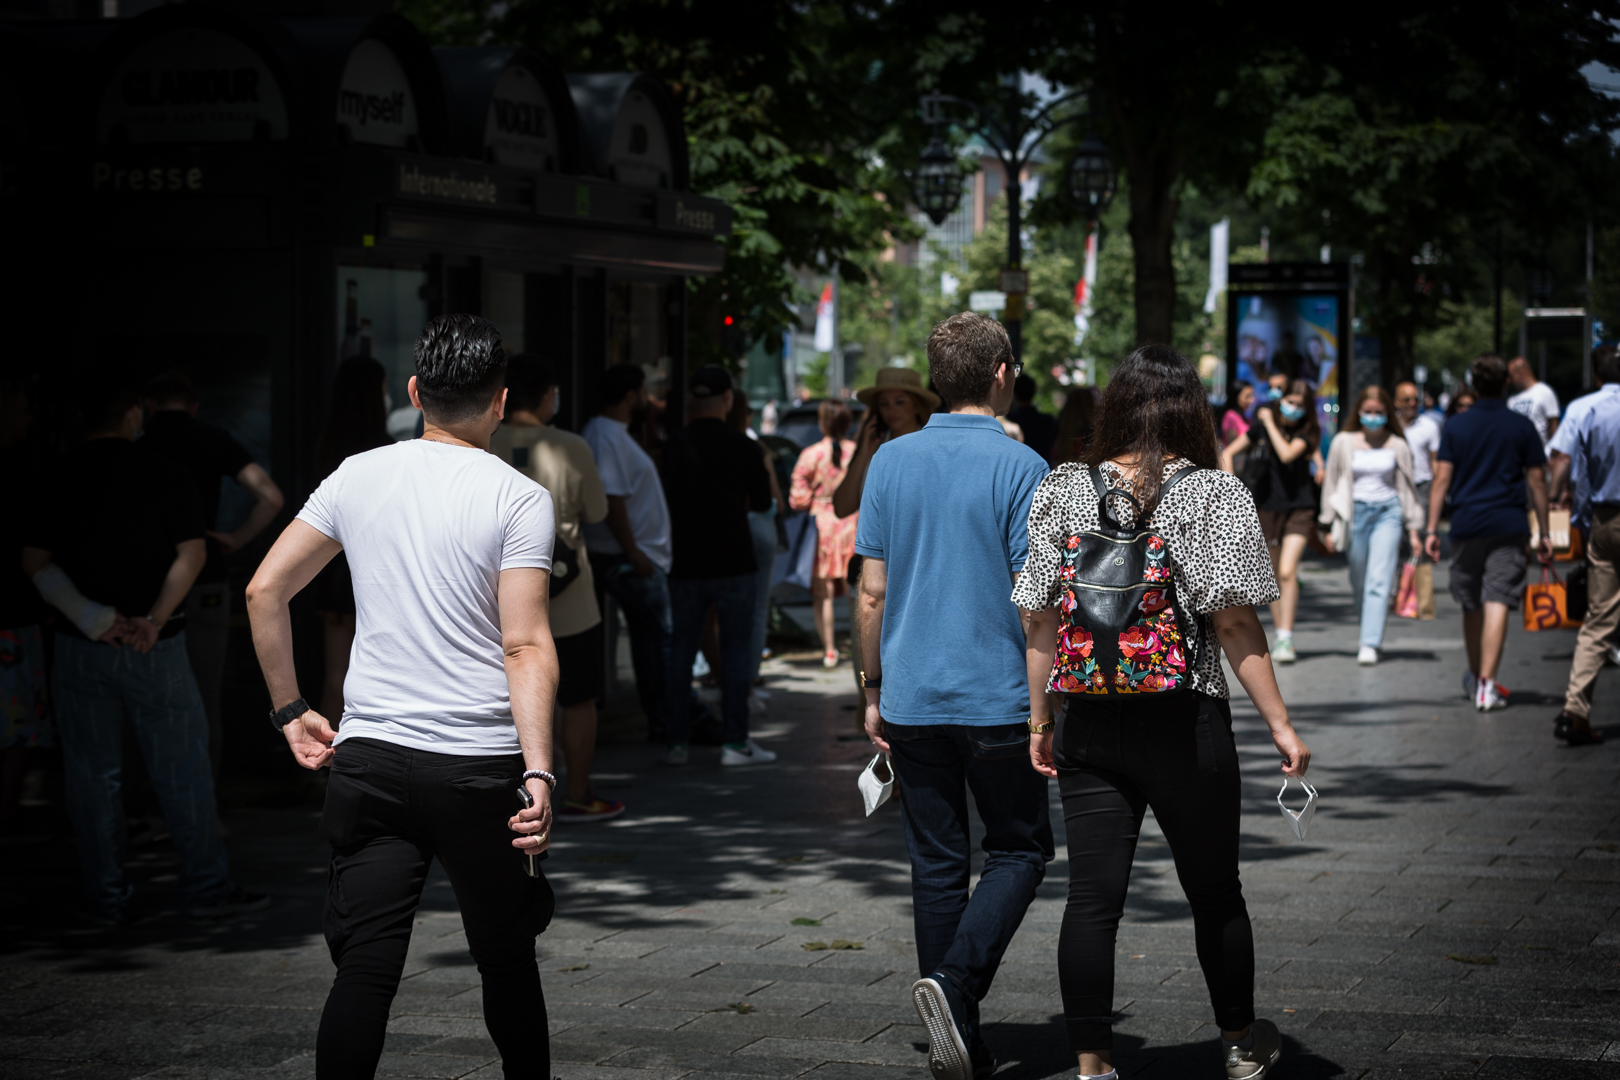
x=1208, y=521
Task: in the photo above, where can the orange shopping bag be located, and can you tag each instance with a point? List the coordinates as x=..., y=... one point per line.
x=1545, y=604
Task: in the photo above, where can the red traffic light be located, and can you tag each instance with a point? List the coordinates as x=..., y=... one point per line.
x=728, y=320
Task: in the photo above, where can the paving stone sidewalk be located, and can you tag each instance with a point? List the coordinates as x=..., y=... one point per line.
x=1454, y=912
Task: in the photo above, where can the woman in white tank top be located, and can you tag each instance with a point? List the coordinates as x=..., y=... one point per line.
x=1367, y=495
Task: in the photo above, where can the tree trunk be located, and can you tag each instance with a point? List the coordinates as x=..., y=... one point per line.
x=1152, y=167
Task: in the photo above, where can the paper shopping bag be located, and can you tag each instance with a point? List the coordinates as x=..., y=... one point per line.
x=1425, y=590
x=1406, y=597
x=1545, y=604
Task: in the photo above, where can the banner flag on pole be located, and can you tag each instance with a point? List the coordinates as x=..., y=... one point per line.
x=824, y=320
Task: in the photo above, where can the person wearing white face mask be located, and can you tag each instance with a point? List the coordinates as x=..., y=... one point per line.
x=1367, y=495
x=1283, y=436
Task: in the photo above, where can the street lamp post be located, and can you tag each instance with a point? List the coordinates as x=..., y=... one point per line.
x=1014, y=138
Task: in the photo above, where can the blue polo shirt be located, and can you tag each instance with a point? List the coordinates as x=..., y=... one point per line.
x=947, y=510
x=1489, y=447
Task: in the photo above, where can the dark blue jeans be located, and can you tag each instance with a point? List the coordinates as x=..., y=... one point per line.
x=645, y=603
x=689, y=600
x=960, y=936
x=96, y=687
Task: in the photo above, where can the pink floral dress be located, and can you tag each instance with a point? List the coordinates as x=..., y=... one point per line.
x=815, y=478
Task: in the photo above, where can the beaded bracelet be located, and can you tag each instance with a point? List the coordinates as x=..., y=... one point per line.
x=541, y=774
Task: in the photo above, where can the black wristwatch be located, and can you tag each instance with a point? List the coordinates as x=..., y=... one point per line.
x=871, y=684
x=280, y=718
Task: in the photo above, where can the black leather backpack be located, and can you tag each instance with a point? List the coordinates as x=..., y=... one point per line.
x=1120, y=631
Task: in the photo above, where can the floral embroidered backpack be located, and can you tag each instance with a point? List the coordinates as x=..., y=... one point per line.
x=1118, y=631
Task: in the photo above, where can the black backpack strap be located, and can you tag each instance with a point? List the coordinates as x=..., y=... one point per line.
x=1104, y=516
x=1098, y=482
x=1176, y=478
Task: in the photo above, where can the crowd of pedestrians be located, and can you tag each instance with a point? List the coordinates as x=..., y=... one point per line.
x=1055, y=605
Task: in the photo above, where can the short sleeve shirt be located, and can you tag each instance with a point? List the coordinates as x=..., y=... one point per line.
x=1209, y=524
x=561, y=462
x=1489, y=447
x=209, y=455
x=628, y=472
x=1423, y=436
x=945, y=508
x=1539, y=405
x=427, y=528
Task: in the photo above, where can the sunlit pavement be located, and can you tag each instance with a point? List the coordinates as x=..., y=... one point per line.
x=1453, y=912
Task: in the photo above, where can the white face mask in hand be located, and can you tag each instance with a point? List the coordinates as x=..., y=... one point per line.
x=1299, y=820
x=875, y=792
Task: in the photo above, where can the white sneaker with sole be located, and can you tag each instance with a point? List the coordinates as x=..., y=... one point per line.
x=751, y=754
x=947, y=1054
x=1255, y=1062
x=1368, y=656
x=1488, y=697
x=1283, y=651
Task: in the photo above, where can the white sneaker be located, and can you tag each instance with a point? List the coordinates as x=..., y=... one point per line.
x=1489, y=697
x=1368, y=656
x=751, y=754
x=1283, y=651
x=675, y=755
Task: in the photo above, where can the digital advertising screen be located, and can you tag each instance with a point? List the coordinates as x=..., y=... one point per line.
x=1293, y=334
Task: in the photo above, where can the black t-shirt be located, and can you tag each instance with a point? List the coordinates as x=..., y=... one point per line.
x=111, y=518
x=1291, y=487
x=713, y=475
x=208, y=454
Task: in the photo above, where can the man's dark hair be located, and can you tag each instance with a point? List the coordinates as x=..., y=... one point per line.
x=1489, y=374
x=621, y=380
x=460, y=365
x=1023, y=388
x=1606, y=364
x=172, y=385
x=964, y=352
x=107, y=398
x=528, y=378
x=1154, y=407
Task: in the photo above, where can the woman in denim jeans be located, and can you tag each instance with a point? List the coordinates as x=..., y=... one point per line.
x=1367, y=495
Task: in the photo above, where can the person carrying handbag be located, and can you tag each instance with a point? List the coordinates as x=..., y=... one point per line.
x=1367, y=495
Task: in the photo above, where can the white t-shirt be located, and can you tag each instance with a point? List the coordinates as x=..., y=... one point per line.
x=1374, y=472
x=1538, y=405
x=1423, y=436
x=628, y=472
x=427, y=528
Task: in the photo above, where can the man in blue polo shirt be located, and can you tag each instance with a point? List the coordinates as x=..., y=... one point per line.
x=1487, y=456
x=944, y=531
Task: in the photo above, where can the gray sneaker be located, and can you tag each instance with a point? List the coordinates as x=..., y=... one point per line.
x=1256, y=1062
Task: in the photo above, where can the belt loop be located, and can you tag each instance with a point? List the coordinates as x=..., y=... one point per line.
x=1206, y=740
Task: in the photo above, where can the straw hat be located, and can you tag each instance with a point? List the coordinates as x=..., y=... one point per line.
x=897, y=378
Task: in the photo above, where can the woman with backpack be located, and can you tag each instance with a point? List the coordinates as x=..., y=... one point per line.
x=1278, y=475
x=1145, y=561
x=1367, y=495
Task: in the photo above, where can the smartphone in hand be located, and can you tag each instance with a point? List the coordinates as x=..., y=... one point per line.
x=531, y=858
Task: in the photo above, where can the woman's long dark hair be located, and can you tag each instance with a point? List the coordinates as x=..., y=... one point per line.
x=835, y=417
x=1154, y=408
x=356, y=420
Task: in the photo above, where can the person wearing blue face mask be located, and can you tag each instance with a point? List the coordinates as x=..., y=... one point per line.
x=1368, y=494
x=1282, y=437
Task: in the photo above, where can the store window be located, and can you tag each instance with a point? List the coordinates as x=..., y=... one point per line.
x=381, y=312
x=638, y=330
x=503, y=306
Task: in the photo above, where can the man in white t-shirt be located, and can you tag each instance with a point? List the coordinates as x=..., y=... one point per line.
x=446, y=708
x=631, y=550
x=1533, y=399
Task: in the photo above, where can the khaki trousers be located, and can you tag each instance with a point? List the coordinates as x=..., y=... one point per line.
x=1602, y=611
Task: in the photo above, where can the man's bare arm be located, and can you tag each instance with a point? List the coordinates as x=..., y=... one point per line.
x=618, y=523
x=297, y=556
x=524, y=596
x=1437, y=500
x=869, y=616
x=267, y=503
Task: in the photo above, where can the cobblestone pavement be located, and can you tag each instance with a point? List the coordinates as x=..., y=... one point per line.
x=1452, y=914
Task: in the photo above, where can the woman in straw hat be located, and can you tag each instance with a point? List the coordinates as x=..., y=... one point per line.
x=819, y=471
x=896, y=404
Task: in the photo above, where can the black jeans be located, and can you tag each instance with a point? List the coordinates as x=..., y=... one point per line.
x=1116, y=757
x=935, y=765
x=389, y=812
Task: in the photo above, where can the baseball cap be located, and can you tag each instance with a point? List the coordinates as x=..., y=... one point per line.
x=710, y=380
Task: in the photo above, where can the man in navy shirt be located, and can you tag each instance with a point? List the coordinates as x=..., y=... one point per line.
x=944, y=532
x=1487, y=456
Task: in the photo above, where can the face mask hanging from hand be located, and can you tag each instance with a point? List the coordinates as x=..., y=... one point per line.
x=1373, y=421
x=1299, y=820
x=875, y=792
